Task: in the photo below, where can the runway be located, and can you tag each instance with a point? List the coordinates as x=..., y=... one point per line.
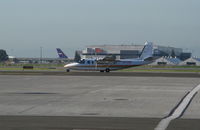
x=90, y=102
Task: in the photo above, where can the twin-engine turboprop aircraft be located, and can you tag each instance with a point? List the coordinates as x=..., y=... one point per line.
x=108, y=64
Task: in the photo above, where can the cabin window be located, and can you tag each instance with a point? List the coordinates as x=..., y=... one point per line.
x=92, y=62
x=88, y=62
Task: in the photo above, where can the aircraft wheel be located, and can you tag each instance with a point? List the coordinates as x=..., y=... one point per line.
x=101, y=70
x=107, y=70
x=67, y=70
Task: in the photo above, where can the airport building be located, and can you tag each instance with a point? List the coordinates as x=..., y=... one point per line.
x=132, y=51
x=191, y=61
x=166, y=61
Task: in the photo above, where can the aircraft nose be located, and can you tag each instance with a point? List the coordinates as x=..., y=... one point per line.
x=70, y=65
x=66, y=66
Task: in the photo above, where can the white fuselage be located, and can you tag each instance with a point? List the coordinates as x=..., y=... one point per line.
x=93, y=65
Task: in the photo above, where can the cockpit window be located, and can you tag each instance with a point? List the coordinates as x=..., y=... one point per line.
x=82, y=61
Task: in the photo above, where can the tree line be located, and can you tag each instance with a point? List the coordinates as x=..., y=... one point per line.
x=3, y=55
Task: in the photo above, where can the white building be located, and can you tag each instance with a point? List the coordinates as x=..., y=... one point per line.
x=166, y=61
x=127, y=51
x=191, y=61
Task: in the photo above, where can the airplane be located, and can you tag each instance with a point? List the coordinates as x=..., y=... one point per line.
x=108, y=64
x=61, y=54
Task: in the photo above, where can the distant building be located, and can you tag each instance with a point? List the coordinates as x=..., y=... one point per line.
x=166, y=61
x=191, y=61
x=129, y=51
x=175, y=61
x=185, y=55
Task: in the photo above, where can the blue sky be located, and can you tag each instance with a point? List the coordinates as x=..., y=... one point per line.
x=27, y=25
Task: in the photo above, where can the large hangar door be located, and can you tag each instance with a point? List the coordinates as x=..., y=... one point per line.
x=127, y=54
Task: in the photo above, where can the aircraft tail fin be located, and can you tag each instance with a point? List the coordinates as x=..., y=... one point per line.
x=147, y=52
x=61, y=54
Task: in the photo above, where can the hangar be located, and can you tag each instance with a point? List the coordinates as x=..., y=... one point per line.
x=166, y=61
x=191, y=61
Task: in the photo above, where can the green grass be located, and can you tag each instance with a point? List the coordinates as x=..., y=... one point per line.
x=36, y=69
x=11, y=69
x=157, y=70
x=35, y=65
x=148, y=66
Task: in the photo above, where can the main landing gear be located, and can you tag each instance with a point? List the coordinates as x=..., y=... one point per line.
x=107, y=70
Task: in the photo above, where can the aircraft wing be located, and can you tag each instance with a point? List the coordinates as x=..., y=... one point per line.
x=109, y=58
x=106, y=60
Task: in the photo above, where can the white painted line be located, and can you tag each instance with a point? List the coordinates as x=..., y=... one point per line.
x=163, y=124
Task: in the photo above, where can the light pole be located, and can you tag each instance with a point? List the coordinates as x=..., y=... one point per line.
x=41, y=55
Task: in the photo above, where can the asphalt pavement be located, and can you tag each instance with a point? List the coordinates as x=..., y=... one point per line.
x=88, y=102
